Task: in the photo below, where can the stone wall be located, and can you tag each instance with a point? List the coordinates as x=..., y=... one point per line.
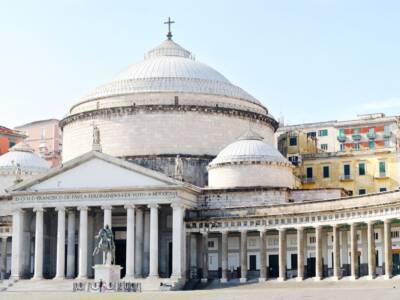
x=194, y=168
x=248, y=174
x=215, y=199
x=173, y=132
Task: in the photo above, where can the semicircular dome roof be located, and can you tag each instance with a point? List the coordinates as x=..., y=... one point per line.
x=170, y=68
x=22, y=156
x=249, y=148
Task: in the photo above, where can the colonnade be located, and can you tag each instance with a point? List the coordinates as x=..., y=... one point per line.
x=301, y=245
x=66, y=236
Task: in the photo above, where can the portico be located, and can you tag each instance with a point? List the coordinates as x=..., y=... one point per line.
x=125, y=210
x=357, y=242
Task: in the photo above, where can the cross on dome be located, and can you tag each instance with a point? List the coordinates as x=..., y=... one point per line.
x=169, y=22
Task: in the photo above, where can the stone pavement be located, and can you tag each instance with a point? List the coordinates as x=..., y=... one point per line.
x=271, y=290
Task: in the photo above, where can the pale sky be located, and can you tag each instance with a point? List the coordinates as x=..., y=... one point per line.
x=309, y=60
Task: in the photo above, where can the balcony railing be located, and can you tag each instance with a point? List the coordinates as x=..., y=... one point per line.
x=387, y=134
x=345, y=178
x=381, y=175
x=308, y=180
x=356, y=136
x=341, y=138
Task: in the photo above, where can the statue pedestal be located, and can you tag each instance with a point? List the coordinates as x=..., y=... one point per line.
x=107, y=273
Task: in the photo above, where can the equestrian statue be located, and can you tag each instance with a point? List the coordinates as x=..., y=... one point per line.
x=104, y=242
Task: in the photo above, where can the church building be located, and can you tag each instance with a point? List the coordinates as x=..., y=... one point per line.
x=180, y=163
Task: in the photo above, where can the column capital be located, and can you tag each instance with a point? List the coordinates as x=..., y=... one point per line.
x=262, y=231
x=60, y=208
x=224, y=232
x=175, y=205
x=282, y=229
x=129, y=206
x=318, y=227
x=387, y=220
x=336, y=225
x=204, y=233
x=82, y=208
x=38, y=209
x=371, y=222
x=104, y=207
x=300, y=228
x=153, y=205
x=243, y=230
x=18, y=210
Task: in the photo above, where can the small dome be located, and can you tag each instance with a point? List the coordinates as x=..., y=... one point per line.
x=22, y=156
x=249, y=148
x=249, y=162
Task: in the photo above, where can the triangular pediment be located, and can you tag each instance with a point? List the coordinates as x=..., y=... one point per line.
x=96, y=170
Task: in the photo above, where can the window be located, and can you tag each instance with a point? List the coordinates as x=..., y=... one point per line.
x=362, y=191
x=11, y=144
x=341, y=132
x=341, y=147
x=293, y=141
x=376, y=234
x=323, y=132
x=324, y=146
x=382, y=168
x=371, y=144
x=310, y=172
x=325, y=171
x=361, y=169
x=356, y=146
x=311, y=134
x=395, y=234
x=312, y=239
x=346, y=170
x=350, y=193
x=294, y=160
x=211, y=244
x=382, y=189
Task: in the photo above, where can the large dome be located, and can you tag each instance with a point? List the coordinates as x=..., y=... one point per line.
x=169, y=68
x=168, y=104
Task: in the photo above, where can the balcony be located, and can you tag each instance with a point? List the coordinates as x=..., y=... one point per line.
x=381, y=175
x=387, y=134
x=356, y=137
x=346, y=178
x=371, y=135
x=306, y=180
x=341, y=138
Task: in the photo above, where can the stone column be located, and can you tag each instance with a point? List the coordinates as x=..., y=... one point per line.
x=38, y=270
x=354, y=251
x=387, y=235
x=205, y=256
x=107, y=212
x=224, y=260
x=300, y=253
x=371, y=250
x=263, y=256
x=318, y=253
x=130, y=241
x=139, y=243
x=60, y=269
x=153, y=273
x=336, y=252
x=83, y=242
x=177, y=240
x=71, y=244
x=3, y=268
x=243, y=256
x=17, y=247
x=282, y=254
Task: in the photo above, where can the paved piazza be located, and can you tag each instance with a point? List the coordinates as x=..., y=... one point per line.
x=344, y=289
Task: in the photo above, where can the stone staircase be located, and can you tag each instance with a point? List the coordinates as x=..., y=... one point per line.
x=48, y=285
x=66, y=285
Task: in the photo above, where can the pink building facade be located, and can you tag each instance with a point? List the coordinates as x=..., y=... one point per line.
x=45, y=138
